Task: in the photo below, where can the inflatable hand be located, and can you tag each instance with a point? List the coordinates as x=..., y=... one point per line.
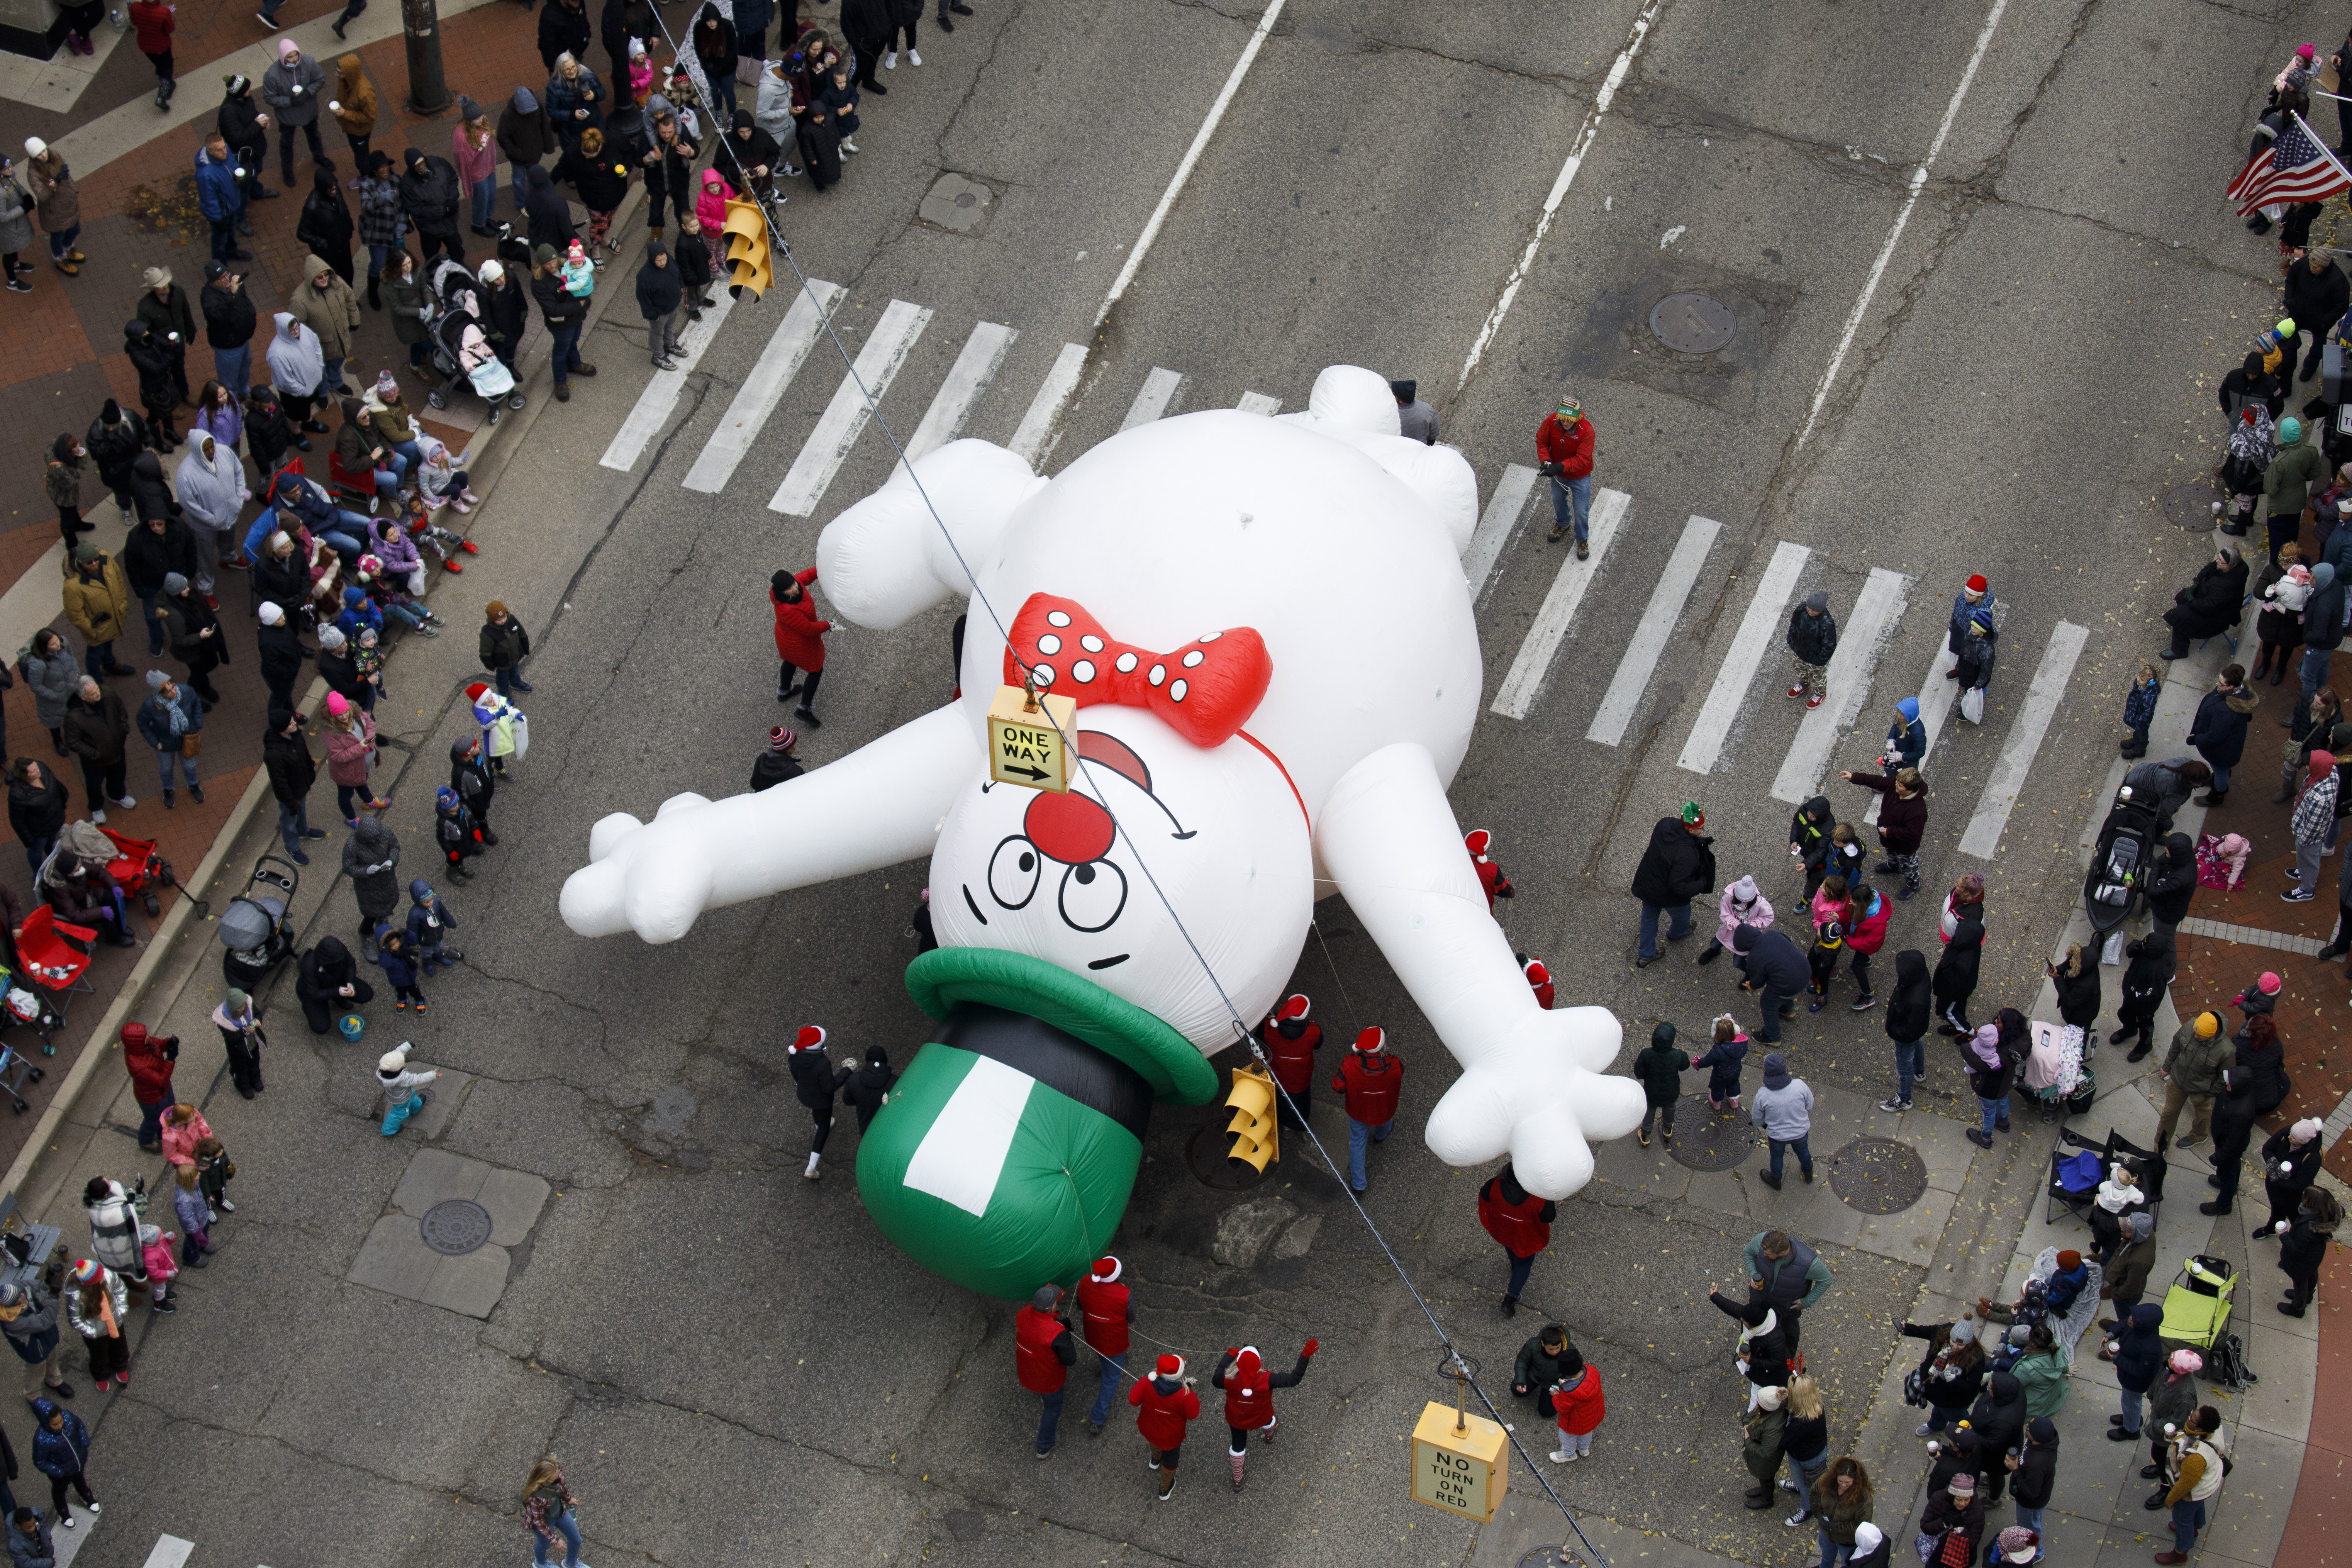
x=1538, y=1098
x=650, y=877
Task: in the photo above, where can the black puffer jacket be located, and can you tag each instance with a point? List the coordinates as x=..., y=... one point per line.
x=148, y=557
x=36, y=812
x=2210, y=603
x=1677, y=866
x=1813, y=638
x=1956, y=972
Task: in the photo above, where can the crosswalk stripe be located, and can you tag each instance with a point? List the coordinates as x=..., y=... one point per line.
x=1524, y=682
x=1036, y=428
x=1860, y=642
x=1657, y=623
x=170, y=1552
x=974, y=368
x=1729, y=693
x=2001, y=791
x=659, y=400
x=1500, y=520
x=1160, y=390
x=1259, y=403
x=827, y=447
x=788, y=349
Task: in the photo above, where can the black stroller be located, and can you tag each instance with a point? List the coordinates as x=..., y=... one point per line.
x=2125, y=860
x=253, y=927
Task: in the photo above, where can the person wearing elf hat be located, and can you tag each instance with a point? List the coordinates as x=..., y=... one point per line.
x=1249, y=1397
x=1104, y=1309
x=1564, y=455
x=1677, y=866
x=1291, y=1040
x=1042, y=1354
x=816, y=1081
x=1369, y=1078
x=1479, y=841
x=405, y=1093
x=777, y=763
x=1165, y=1404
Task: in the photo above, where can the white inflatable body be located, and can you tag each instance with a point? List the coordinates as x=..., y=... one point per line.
x=1338, y=541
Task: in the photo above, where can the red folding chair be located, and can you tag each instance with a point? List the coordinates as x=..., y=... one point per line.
x=50, y=962
x=350, y=487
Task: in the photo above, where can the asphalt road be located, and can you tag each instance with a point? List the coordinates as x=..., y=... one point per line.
x=733, y=1364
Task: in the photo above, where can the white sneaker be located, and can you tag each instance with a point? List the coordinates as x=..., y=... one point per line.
x=126, y=803
x=97, y=818
x=1560, y=1459
x=847, y=145
x=889, y=59
x=227, y=1207
x=914, y=56
x=95, y=1508
x=70, y=1521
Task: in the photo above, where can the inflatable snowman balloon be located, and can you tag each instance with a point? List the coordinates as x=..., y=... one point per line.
x=1265, y=626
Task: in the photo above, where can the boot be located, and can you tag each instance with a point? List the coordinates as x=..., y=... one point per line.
x=1236, y=1461
x=1510, y=1306
x=653, y=232
x=375, y=295
x=2213, y=797
x=2284, y=791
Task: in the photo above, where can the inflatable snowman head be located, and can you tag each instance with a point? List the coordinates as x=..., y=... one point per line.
x=1265, y=629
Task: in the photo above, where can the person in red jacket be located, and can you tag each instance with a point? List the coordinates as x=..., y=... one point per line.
x=1490, y=876
x=1291, y=1041
x=149, y=1061
x=1165, y=1404
x=1564, y=455
x=1521, y=1222
x=1576, y=1399
x=1539, y=980
x=1249, y=1397
x=1042, y=1356
x=1371, y=1079
x=1104, y=1309
x=153, y=20
x=800, y=640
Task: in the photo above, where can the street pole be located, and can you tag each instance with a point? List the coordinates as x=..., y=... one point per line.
x=420, y=21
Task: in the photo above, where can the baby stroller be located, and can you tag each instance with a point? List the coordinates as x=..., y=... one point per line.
x=2127, y=851
x=2057, y=1077
x=139, y=868
x=460, y=350
x=2197, y=1308
x=27, y=1005
x=254, y=926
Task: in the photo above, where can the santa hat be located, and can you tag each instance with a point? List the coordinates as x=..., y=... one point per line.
x=1107, y=1271
x=1976, y=585
x=1373, y=1039
x=1171, y=1366
x=1477, y=841
x=1292, y=1006
x=1248, y=1361
x=1537, y=974
x=811, y=1037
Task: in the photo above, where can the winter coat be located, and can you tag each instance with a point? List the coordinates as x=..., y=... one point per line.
x=1811, y=637
x=372, y=860
x=2139, y=1350
x=548, y=218
x=152, y=359
x=97, y=600
x=2289, y=1167
x=1908, y=1010
x=1762, y=1432
x=814, y=1083
x=325, y=226
x=1999, y=1417
x=148, y=557
x=870, y=1087
x=2078, y=995
x=381, y=219
x=237, y=119
x=295, y=93
x=356, y=94
x=1993, y=1082
x=57, y=199
x=36, y=813
x=1838, y=1512
x=219, y=195
x=660, y=288
x=1949, y=1383
x=1164, y=1406
x=15, y=217
x=565, y=96
x=1902, y=824
x=66, y=1451
x=2174, y=884
x=563, y=29
x=292, y=770
x=800, y=631
x=331, y=313
x=33, y=1332
x=2196, y=1062
x=149, y=1059
x=820, y=145
x=601, y=180
x=2146, y=975
x=431, y=195
x=2258, y=1077
x=185, y=620
x=1659, y=1067
x=348, y=750
x=527, y=137
x=1729, y=918
x=167, y=315
x=2289, y=479
x=504, y=645
x=154, y=720
x=715, y=49
x=2043, y=1375
x=1537, y=1369
x=1944, y=1513
x=1773, y=962
x=2304, y=1246
x=1677, y=866
x=403, y=300
x=97, y=731
x=1722, y=1060
x=323, y=972
x=1956, y=972
x=399, y=967
x=1570, y=445
x=1786, y=1112
x=2218, y=730
x=53, y=680
x=1581, y=1408
x=113, y=448
x=2210, y=603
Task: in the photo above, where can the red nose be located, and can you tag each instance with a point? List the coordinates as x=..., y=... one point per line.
x=1071, y=828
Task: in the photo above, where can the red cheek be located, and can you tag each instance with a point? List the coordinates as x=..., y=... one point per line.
x=1071, y=828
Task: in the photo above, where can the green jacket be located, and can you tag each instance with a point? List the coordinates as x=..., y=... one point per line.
x=2195, y=1062
x=1762, y=1452
x=1660, y=1069
x=2288, y=480
x=2126, y=1277
x=2045, y=1380
x=1536, y=1370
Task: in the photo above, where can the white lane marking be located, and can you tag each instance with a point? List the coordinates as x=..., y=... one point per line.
x=1894, y=234
x=1525, y=683
x=1724, y=700
x=1583, y=144
x=2001, y=791
x=962, y=1154
x=659, y=400
x=1160, y=390
x=788, y=349
x=170, y=1552
x=975, y=367
x=1259, y=403
x=1142, y=246
x=1504, y=512
x=828, y=444
x=1029, y=440
x=1657, y=623
x=1860, y=640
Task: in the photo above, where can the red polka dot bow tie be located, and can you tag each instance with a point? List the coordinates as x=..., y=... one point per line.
x=1207, y=690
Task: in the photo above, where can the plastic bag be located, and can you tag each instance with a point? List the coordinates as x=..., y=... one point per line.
x=1972, y=704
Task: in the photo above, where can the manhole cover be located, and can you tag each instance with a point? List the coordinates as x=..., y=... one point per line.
x=1551, y=1557
x=454, y=1227
x=1693, y=323
x=1205, y=1152
x=2190, y=504
x=1878, y=1175
x=1707, y=1140
x=967, y=200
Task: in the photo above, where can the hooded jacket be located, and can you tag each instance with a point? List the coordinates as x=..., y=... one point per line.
x=868, y=1089
x=96, y=599
x=2147, y=974
x=1812, y=637
x=154, y=359
x=1774, y=963
x=289, y=107
x=97, y=731
x=236, y=120
x=2218, y=730
x=66, y=1451
x=54, y=678
x=2174, y=883
x=1909, y=1010
x=148, y=557
x=1722, y=1058
x=149, y=496
x=1902, y=823
x=213, y=493
x=1999, y=1417
x=2139, y=1350
x=799, y=630
x=1956, y=971
x=356, y=94
x=1783, y=1107
x=112, y=447
x=2195, y=1061
x=1659, y=1067
x=2079, y=1001
x=2210, y=603
x=660, y=290
x=292, y=770
x=563, y=29
x=325, y=226
x=1677, y=866
x=36, y=813
x=297, y=365
x=525, y=135
x=430, y=193
x=371, y=860
x=324, y=970
x=547, y=215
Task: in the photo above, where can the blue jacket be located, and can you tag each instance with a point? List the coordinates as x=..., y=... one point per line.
x=34, y=1551
x=428, y=937
x=359, y=610
x=1906, y=738
x=155, y=720
x=753, y=16
x=317, y=514
x=398, y=968
x=217, y=190
x=1722, y=1062
x=2218, y=730
x=1962, y=611
x=62, y=1453
x=2139, y=707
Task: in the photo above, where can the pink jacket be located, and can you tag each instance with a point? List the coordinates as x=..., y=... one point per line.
x=710, y=206
x=161, y=1264
x=180, y=1142
x=474, y=164
x=347, y=750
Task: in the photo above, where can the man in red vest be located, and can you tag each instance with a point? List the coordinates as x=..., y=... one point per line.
x=1521, y=1222
x=1164, y=1403
x=1249, y=1397
x=1042, y=1354
x=1291, y=1042
x=1371, y=1079
x=1479, y=841
x=1105, y=1312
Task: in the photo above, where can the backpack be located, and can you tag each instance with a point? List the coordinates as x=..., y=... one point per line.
x=2225, y=1363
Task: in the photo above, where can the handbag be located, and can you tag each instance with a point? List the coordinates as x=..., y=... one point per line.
x=1955, y=1551
x=192, y=743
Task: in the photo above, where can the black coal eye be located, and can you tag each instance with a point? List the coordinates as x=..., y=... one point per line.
x=1085, y=874
x=1028, y=862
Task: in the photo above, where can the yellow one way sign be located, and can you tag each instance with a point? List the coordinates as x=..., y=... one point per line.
x=1025, y=740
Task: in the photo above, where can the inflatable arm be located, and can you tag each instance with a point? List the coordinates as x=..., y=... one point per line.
x=877, y=806
x=1353, y=404
x=884, y=560
x=1531, y=1086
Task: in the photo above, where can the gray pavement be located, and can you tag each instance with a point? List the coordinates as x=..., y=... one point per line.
x=731, y=1363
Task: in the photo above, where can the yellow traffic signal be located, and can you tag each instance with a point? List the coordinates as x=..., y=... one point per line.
x=746, y=229
x=1257, y=1138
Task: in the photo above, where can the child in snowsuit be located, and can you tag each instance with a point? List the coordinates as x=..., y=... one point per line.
x=429, y=925
x=1249, y=1397
x=456, y=831
x=213, y=1169
x=2139, y=711
x=195, y=1215
x=156, y=1248
x=641, y=72
x=1577, y=1400
x=367, y=660
x=1975, y=655
x=578, y=274
x=405, y=1093
x=1722, y=1061
x=1829, y=946
x=396, y=956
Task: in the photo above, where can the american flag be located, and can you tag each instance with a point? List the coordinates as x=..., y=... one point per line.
x=2294, y=168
